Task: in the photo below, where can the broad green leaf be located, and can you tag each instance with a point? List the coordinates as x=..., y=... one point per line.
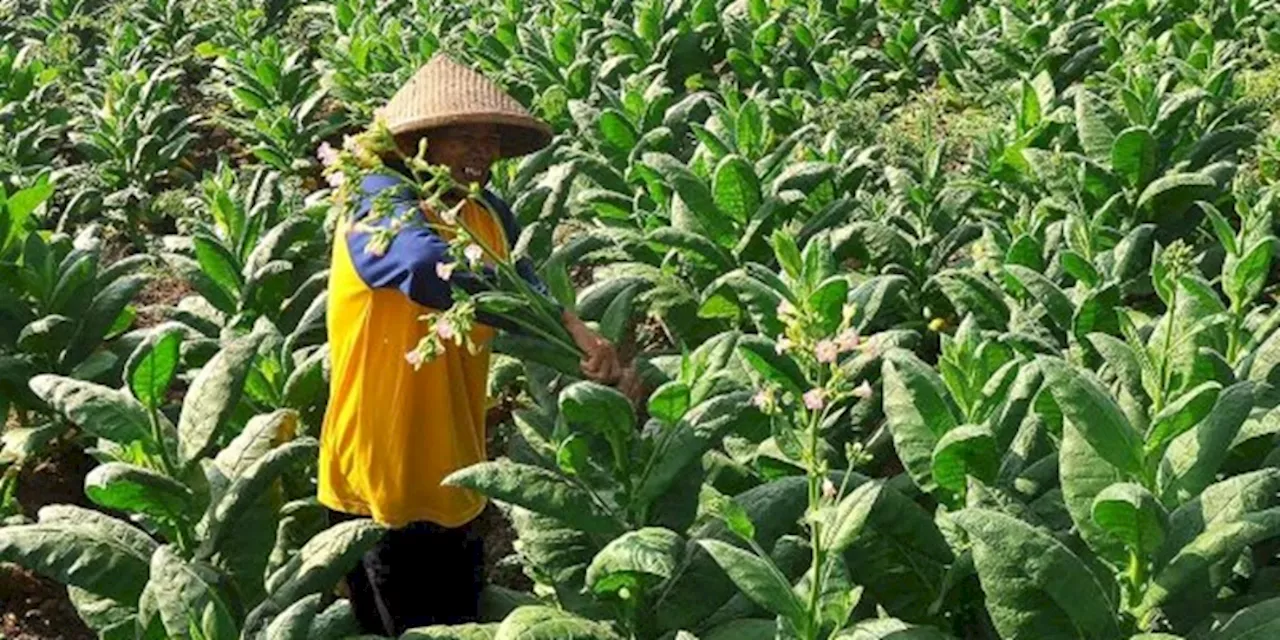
x=249, y=485
x=538, y=490
x=635, y=559
x=787, y=253
x=889, y=629
x=616, y=131
x=1133, y=156
x=317, y=567
x=100, y=411
x=1079, y=268
x=974, y=295
x=1035, y=586
x=695, y=194
x=1180, y=415
x=119, y=530
x=967, y=450
x=756, y=578
x=761, y=354
x=618, y=315
x=1171, y=195
x=1083, y=475
x=603, y=409
x=133, y=489
x=212, y=398
x=334, y=623
x=77, y=554
x=742, y=629
x=1220, y=503
x=100, y=316
x=1029, y=113
x=1245, y=277
x=1192, y=460
x=217, y=262
x=294, y=623
x=1096, y=137
x=549, y=623
x=736, y=188
x=466, y=631
x=701, y=429
x=899, y=554
x=917, y=412
x=1087, y=405
x=1190, y=567
x=153, y=364
x=669, y=402
x=1055, y=302
x=1130, y=513
x=1261, y=620
x=186, y=594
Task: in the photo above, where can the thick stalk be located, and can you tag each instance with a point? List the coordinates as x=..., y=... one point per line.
x=815, y=530
x=1165, y=369
x=167, y=464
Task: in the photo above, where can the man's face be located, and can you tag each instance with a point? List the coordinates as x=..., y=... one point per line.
x=469, y=150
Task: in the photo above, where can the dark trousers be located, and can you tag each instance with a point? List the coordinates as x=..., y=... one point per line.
x=416, y=576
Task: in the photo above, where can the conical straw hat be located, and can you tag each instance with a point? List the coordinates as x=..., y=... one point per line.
x=444, y=93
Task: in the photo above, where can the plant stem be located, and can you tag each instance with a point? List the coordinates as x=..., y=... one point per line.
x=169, y=467
x=1165, y=369
x=815, y=530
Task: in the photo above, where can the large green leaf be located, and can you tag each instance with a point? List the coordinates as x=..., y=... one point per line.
x=736, y=188
x=1189, y=570
x=153, y=364
x=777, y=368
x=468, y=631
x=248, y=486
x=695, y=195
x=79, y=554
x=756, y=578
x=133, y=489
x=894, y=547
x=968, y=450
x=1055, y=302
x=549, y=623
x=1087, y=405
x=600, y=408
x=100, y=411
x=635, y=559
x=187, y=596
x=1171, y=195
x=889, y=629
x=212, y=398
x=1261, y=620
x=702, y=428
x=1035, y=586
x=100, y=317
x=259, y=436
x=1130, y=513
x=1192, y=460
x=294, y=623
x=119, y=530
x=538, y=490
x=1096, y=136
x=918, y=412
x=1220, y=503
x=1083, y=475
x=1133, y=156
x=318, y=566
x=973, y=294
x=1180, y=415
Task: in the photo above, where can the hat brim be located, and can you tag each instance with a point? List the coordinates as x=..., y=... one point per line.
x=519, y=135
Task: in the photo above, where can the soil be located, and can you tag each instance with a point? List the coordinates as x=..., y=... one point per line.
x=166, y=290
x=32, y=607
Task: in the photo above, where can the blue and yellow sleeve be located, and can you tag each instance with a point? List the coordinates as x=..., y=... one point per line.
x=409, y=262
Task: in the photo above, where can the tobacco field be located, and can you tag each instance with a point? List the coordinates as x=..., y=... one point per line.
x=957, y=318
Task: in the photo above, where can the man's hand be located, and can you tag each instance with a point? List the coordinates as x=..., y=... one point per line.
x=601, y=360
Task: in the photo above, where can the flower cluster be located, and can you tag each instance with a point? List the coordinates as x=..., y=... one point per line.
x=821, y=355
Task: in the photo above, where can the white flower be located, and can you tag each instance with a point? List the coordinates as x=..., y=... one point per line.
x=826, y=351
x=848, y=340
x=785, y=308
x=445, y=329
x=828, y=489
x=450, y=216
x=327, y=154
x=782, y=345
x=474, y=253
x=815, y=399
x=444, y=270
x=351, y=143
x=763, y=400
x=862, y=391
x=414, y=357
x=336, y=179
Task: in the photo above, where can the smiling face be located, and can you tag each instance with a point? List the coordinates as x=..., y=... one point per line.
x=469, y=150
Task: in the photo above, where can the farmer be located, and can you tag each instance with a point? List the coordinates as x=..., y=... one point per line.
x=393, y=432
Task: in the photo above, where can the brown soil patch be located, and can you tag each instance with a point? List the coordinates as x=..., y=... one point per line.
x=34, y=608
x=163, y=291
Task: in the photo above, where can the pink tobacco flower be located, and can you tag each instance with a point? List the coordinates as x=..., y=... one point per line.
x=826, y=351
x=782, y=345
x=445, y=329
x=815, y=399
x=848, y=340
x=414, y=357
x=327, y=155
x=336, y=179
x=444, y=270
x=862, y=391
x=474, y=253
x=828, y=489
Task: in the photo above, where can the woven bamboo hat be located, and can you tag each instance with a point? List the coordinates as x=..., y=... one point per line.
x=444, y=93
